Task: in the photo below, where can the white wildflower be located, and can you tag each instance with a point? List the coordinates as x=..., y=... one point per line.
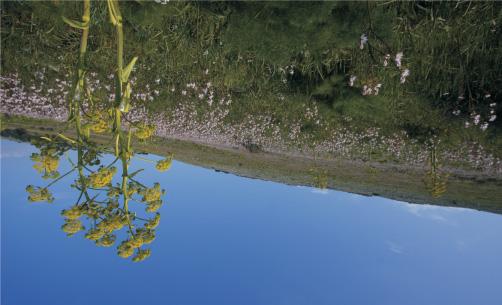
x=398, y=58
x=404, y=74
x=352, y=80
x=377, y=88
x=477, y=118
x=492, y=118
x=364, y=40
x=367, y=90
x=386, y=60
x=484, y=126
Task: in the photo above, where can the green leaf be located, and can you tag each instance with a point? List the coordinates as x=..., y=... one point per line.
x=127, y=71
x=76, y=24
x=124, y=104
x=135, y=173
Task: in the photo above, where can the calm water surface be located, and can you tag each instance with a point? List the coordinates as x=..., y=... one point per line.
x=224, y=239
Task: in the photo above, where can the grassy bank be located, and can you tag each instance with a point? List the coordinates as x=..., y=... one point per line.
x=284, y=65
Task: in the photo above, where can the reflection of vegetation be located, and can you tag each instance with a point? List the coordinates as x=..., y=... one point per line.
x=435, y=180
x=47, y=162
x=319, y=178
x=105, y=205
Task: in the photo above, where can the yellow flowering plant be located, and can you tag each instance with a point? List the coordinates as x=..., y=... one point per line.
x=105, y=207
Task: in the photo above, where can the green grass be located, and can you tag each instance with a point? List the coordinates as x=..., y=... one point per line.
x=244, y=45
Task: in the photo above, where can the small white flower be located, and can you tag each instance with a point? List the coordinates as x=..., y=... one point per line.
x=367, y=90
x=477, y=118
x=456, y=112
x=184, y=92
x=484, y=126
x=364, y=40
x=404, y=74
x=352, y=80
x=492, y=118
x=377, y=88
x=467, y=124
x=173, y=89
x=493, y=105
x=386, y=60
x=398, y=58
x=488, y=95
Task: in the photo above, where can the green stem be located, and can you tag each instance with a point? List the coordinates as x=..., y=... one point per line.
x=60, y=177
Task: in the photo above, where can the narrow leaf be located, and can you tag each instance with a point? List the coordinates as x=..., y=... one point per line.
x=127, y=71
x=76, y=24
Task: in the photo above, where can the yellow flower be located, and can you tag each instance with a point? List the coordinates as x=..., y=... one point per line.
x=125, y=250
x=136, y=241
x=141, y=255
x=91, y=209
x=154, y=222
x=47, y=164
x=144, y=131
x=72, y=226
x=153, y=207
x=74, y=213
x=94, y=234
x=102, y=177
x=113, y=223
x=151, y=194
x=106, y=241
x=148, y=236
x=37, y=194
x=165, y=164
x=98, y=122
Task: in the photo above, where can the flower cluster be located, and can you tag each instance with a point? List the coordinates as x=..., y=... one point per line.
x=47, y=162
x=164, y=164
x=37, y=194
x=144, y=131
x=72, y=226
x=102, y=177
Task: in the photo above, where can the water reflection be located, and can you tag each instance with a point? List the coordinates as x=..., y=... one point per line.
x=435, y=179
x=102, y=208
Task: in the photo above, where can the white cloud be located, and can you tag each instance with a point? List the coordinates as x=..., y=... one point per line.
x=394, y=247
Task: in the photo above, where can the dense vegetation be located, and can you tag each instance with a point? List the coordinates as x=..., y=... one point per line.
x=276, y=58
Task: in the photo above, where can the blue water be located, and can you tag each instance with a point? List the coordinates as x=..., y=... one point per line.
x=224, y=239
